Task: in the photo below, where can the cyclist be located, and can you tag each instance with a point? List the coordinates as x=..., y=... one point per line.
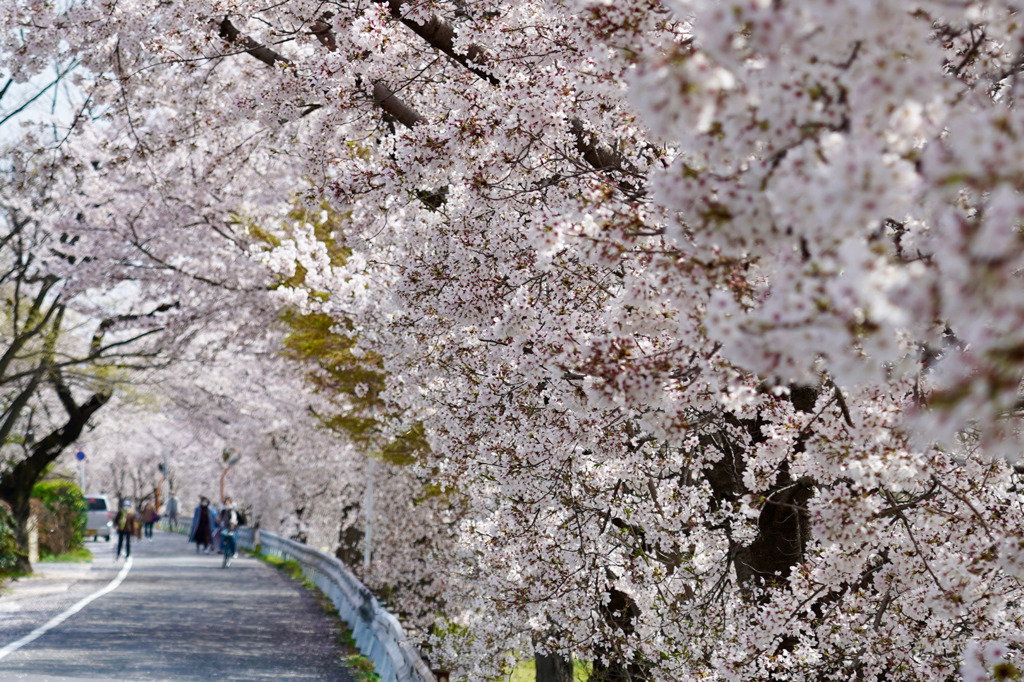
x=228, y=524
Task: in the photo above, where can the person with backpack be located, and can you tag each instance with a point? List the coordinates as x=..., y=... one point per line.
x=149, y=517
x=228, y=522
x=126, y=523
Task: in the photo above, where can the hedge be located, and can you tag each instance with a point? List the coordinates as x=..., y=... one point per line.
x=61, y=516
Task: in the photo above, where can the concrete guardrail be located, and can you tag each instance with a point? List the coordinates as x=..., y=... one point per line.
x=378, y=634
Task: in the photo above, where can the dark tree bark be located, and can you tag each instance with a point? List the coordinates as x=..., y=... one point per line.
x=16, y=485
x=350, y=538
x=783, y=525
x=553, y=668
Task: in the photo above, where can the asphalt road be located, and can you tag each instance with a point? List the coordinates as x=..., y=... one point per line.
x=176, y=616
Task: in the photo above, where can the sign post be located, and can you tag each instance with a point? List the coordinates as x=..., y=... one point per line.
x=81, y=470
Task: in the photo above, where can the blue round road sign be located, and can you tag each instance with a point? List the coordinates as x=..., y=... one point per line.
x=80, y=456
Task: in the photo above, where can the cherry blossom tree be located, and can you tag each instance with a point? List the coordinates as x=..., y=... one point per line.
x=91, y=300
x=393, y=545
x=247, y=403
x=58, y=366
x=707, y=309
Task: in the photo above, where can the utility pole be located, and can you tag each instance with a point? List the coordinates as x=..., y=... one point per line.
x=368, y=505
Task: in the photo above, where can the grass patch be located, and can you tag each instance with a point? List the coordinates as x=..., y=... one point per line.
x=75, y=556
x=360, y=665
x=289, y=566
x=526, y=671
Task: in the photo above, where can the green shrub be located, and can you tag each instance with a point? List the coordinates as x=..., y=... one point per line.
x=61, y=516
x=8, y=541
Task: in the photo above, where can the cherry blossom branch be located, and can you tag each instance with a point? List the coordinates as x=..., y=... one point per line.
x=977, y=514
x=383, y=96
x=440, y=34
x=891, y=511
x=910, y=533
x=25, y=335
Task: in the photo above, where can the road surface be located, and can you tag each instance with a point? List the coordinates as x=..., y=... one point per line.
x=175, y=616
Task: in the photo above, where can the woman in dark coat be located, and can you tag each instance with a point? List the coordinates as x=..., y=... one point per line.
x=202, y=526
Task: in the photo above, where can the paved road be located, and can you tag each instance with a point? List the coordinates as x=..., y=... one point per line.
x=176, y=616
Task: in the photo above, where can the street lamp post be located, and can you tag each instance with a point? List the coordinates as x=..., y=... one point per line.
x=230, y=457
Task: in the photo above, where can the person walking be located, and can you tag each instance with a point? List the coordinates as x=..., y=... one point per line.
x=228, y=522
x=148, y=515
x=171, y=510
x=126, y=524
x=203, y=522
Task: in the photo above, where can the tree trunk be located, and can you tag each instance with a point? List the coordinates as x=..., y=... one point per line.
x=617, y=672
x=619, y=612
x=16, y=486
x=553, y=668
x=21, y=510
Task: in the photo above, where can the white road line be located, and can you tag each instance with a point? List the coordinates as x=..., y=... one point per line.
x=57, y=620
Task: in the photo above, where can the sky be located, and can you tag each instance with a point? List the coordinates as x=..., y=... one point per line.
x=44, y=99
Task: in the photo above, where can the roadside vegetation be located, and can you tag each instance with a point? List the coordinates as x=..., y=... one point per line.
x=80, y=555
x=60, y=506
x=361, y=666
x=8, y=543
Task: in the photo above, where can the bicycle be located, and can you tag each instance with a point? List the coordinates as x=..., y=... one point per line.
x=228, y=546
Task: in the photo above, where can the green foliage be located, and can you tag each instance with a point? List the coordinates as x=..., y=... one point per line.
x=9, y=551
x=526, y=671
x=362, y=667
x=76, y=556
x=1006, y=671
x=404, y=449
x=353, y=383
x=351, y=378
x=61, y=516
x=289, y=566
x=336, y=370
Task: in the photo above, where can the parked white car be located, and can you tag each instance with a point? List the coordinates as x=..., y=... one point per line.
x=99, y=517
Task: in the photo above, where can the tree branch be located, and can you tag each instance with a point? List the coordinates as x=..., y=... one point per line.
x=383, y=96
x=440, y=34
x=261, y=52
